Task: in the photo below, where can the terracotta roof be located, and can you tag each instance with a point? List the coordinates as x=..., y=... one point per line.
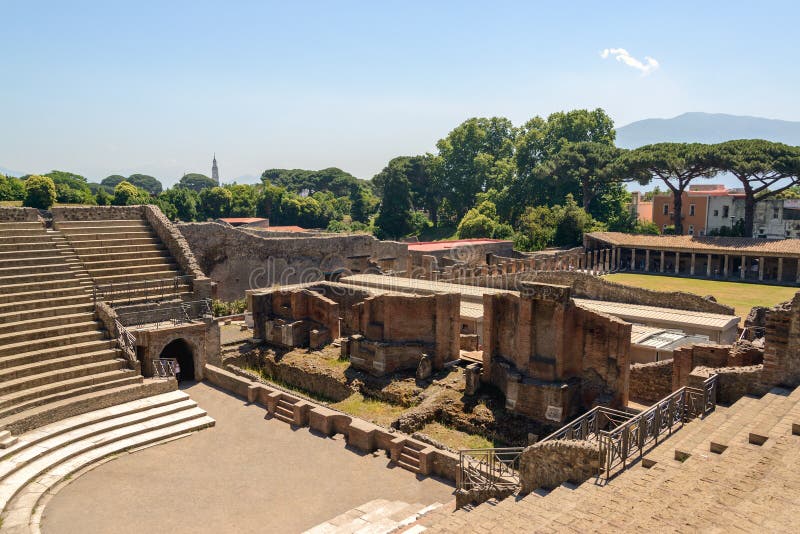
x=285, y=229
x=242, y=220
x=712, y=245
x=427, y=246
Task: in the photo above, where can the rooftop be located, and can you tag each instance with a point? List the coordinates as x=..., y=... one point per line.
x=242, y=220
x=635, y=313
x=286, y=229
x=431, y=246
x=711, y=245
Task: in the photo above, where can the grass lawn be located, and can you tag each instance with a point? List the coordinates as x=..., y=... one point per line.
x=739, y=295
x=455, y=439
x=379, y=412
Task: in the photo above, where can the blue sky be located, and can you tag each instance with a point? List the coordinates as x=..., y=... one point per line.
x=156, y=87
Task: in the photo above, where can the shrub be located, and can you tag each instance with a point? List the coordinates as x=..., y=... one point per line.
x=40, y=192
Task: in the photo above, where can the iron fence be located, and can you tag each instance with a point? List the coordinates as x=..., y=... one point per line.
x=155, y=290
x=484, y=469
x=158, y=316
x=163, y=368
x=126, y=341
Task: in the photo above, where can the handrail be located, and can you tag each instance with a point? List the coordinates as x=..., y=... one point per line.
x=127, y=341
x=489, y=469
x=163, y=368
x=153, y=290
x=186, y=312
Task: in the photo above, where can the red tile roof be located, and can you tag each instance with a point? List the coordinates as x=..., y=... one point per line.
x=285, y=229
x=429, y=246
x=710, y=245
x=242, y=220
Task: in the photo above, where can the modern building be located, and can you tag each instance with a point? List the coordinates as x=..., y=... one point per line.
x=694, y=209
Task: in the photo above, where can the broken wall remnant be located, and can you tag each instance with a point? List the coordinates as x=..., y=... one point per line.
x=294, y=318
x=396, y=331
x=550, y=357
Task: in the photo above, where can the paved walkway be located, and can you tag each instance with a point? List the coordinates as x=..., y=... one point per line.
x=246, y=474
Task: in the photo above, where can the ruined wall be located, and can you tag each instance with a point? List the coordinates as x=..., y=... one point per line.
x=732, y=382
x=96, y=213
x=549, y=464
x=294, y=318
x=687, y=358
x=13, y=214
x=550, y=357
x=396, y=330
x=591, y=287
x=650, y=382
x=239, y=260
x=782, y=344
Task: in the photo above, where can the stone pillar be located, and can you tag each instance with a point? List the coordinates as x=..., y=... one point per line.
x=587, y=263
x=647, y=260
x=633, y=259
x=691, y=265
x=743, y=272
x=780, y=269
x=761, y=268
x=677, y=263
x=725, y=269
x=798, y=271
x=662, y=262
x=708, y=267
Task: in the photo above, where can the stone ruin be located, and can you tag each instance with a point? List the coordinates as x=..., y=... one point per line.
x=551, y=358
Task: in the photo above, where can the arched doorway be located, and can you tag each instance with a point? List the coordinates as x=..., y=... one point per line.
x=180, y=350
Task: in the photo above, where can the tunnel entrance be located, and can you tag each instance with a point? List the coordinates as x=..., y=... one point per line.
x=180, y=350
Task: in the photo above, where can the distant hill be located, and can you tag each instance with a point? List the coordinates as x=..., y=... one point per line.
x=707, y=128
x=9, y=172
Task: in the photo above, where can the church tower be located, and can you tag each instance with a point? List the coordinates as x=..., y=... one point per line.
x=214, y=170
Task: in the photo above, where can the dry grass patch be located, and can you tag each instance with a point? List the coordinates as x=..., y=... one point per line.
x=375, y=411
x=455, y=439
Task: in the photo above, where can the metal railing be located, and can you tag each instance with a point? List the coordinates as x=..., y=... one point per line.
x=127, y=341
x=156, y=317
x=163, y=368
x=620, y=437
x=751, y=333
x=485, y=469
x=155, y=290
x=633, y=437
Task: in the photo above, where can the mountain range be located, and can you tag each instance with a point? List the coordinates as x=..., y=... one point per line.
x=699, y=127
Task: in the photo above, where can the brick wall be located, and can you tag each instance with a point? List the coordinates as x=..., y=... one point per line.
x=549, y=464
x=782, y=344
x=12, y=214
x=650, y=382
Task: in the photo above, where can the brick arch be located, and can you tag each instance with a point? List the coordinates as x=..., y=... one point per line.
x=195, y=346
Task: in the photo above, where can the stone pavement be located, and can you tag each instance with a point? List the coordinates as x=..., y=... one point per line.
x=247, y=474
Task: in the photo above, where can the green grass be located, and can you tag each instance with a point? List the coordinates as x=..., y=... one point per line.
x=739, y=295
x=455, y=439
x=378, y=412
x=443, y=233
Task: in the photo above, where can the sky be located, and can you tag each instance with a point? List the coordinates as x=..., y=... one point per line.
x=114, y=87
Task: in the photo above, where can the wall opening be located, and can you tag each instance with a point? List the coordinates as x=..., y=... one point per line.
x=181, y=351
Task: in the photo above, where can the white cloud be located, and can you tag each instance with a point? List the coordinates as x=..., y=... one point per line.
x=646, y=67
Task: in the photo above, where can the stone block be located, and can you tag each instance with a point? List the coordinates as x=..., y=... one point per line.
x=425, y=367
x=321, y=420
x=360, y=435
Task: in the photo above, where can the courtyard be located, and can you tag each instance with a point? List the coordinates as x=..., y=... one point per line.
x=742, y=296
x=247, y=474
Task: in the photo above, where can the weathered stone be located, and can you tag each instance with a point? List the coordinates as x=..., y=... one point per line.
x=425, y=367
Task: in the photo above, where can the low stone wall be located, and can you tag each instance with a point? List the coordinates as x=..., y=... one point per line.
x=359, y=434
x=548, y=464
x=96, y=213
x=591, y=287
x=13, y=214
x=650, y=382
x=733, y=383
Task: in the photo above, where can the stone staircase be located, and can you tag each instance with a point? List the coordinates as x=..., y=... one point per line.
x=127, y=258
x=739, y=468
x=409, y=456
x=55, y=358
x=48, y=456
x=375, y=517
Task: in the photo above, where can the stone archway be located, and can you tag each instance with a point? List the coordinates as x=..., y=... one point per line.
x=180, y=350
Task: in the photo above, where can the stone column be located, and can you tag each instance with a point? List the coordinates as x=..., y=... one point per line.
x=662, y=262
x=798, y=271
x=691, y=265
x=744, y=268
x=677, y=263
x=647, y=260
x=761, y=268
x=708, y=267
x=725, y=268
x=780, y=269
x=633, y=259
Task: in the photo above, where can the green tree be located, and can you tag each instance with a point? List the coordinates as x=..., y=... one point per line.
x=480, y=221
x=675, y=164
x=40, y=192
x=127, y=194
x=11, y=188
x=244, y=200
x=423, y=179
x=476, y=156
x=394, y=218
x=184, y=201
x=196, y=182
x=764, y=169
x=149, y=183
x=215, y=202
x=331, y=179
x=102, y=198
x=71, y=188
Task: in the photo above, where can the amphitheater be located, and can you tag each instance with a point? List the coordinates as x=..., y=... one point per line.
x=98, y=305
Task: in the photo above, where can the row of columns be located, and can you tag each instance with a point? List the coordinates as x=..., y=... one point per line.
x=727, y=263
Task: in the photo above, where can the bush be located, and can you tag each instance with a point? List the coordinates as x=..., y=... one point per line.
x=220, y=308
x=40, y=192
x=127, y=194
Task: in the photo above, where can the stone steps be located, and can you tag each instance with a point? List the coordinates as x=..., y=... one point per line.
x=47, y=312
x=91, y=261
x=53, y=302
x=409, y=457
x=54, y=452
x=31, y=276
x=52, y=364
x=48, y=376
x=57, y=268
x=65, y=389
x=111, y=224
x=44, y=322
x=148, y=268
x=36, y=335
x=284, y=411
x=111, y=241
x=152, y=259
x=379, y=516
x=84, y=336
x=23, y=296
x=87, y=236
x=132, y=278
x=719, y=440
x=71, y=282
x=25, y=358
x=113, y=250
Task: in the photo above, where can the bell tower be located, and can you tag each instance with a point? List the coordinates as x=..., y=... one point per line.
x=215, y=170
